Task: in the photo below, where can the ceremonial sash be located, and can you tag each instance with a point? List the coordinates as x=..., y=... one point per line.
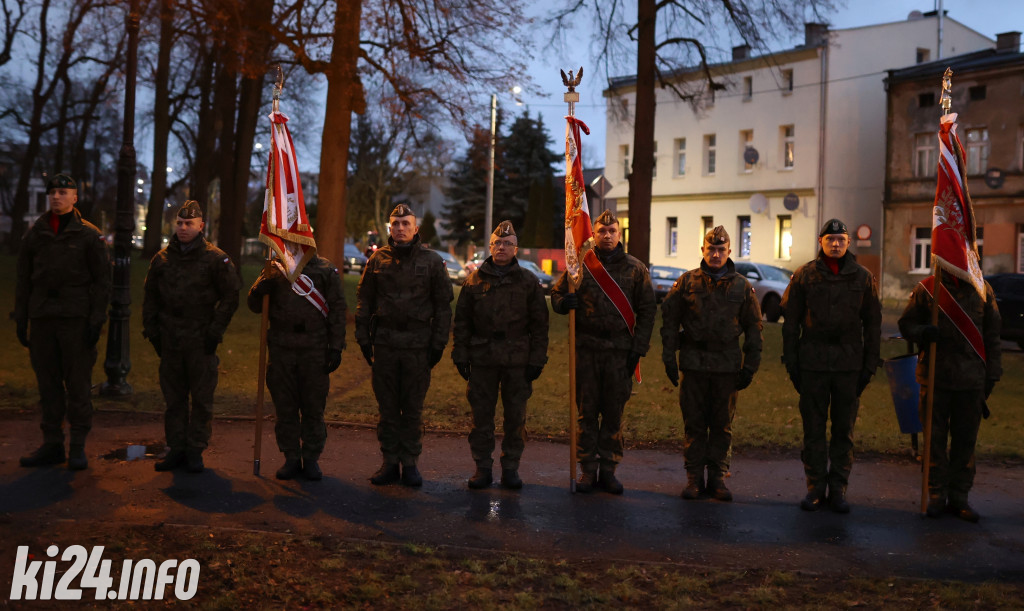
x=613, y=291
x=303, y=286
x=957, y=316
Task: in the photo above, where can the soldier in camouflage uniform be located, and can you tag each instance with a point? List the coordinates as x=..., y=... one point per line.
x=306, y=337
x=501, y=341
x=830, y=343
x=703, y=317
x=963, y=382
x=63, y=289
x=191, y=293
x=403, y=320
x=606, y=353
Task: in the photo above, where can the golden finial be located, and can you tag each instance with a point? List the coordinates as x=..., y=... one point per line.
x=947, y=86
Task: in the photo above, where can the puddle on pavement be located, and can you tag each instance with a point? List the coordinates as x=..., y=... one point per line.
x=138, y=451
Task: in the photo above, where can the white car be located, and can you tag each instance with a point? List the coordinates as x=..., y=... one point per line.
x=769, y=283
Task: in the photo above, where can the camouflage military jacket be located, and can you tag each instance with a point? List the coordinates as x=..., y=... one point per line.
x=833, y=322
x=189, y=295
x=294, y=321
x=598, y=323
x=501, y=320
x=957, y=365
x=404, y=299
x=703, y=319
x=65, y=275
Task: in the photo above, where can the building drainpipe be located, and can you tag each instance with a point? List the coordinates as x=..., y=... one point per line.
x=823, y=45
x=938, y=52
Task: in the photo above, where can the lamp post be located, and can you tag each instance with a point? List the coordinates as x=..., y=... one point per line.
x=118, y=362
x=489, y=205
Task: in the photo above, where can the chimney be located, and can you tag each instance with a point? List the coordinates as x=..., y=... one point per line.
x=1007, y=42
x=740, y=52
x=815, y=34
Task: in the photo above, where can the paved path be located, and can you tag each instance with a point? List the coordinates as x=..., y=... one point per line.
x=763, y=527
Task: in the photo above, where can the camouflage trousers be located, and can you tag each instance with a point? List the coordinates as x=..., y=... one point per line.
x=825, y=394
x=63, y=361
x=485, y=383
x=956, y=417
x=401, y=377
x=708, y=404
x=187, y=371
x=603, y=385
x=299, y=387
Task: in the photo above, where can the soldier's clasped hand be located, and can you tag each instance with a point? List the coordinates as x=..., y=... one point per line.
x=465, y=369
x=367, y=350
x=533, y=372
x=672, y=371
x=22, y=331
x=746, y=376
x=929, y=334
x=571, y=301
x=332, y=361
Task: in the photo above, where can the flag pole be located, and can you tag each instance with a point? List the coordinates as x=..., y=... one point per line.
x=571, y=97
x=946, y=102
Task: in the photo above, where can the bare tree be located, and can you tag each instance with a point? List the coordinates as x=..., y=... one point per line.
x=13, y=12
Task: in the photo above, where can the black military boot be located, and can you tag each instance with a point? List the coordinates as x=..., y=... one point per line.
x=387, y=474
x=694, y=485
x=481, y=479
x=717, y=488
x=510, y=479
x=311, y=470
x=936, y=504
x=607, y=480
x=959, y=507
x=194, y=461
x=290, y=469
x=76, y=457
x=411, y=476
x=587, y=480
x=173, y=460
x=837, y=499
x=814, y=500
x=45, y=455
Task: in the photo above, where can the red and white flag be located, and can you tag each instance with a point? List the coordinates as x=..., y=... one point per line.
x=579, y=235
x=285, y=226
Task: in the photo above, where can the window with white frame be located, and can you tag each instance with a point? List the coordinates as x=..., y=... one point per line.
x=654, y=162
x=743, y=223
x=709, y=154
x=787, y=81
x=624, y=158
x=680, y=156
x=671, y=236
x=785, y=250
x=788, y=146
x=977, y=150
x=746, y=142
x=921, y=250
x=925, y=155
x=748, y=88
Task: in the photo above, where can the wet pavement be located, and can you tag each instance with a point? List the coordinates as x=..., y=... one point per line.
x=884, y=535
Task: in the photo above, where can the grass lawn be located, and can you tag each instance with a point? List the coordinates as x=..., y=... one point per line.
x=767, y=415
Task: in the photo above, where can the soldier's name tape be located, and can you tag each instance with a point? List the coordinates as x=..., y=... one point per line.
x=139, y=579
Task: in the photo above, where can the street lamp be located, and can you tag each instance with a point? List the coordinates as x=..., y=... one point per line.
x=489, y=205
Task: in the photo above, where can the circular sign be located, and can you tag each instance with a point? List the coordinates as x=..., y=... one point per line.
x=994, y=178
x=791, y=201
x=758, y=203
x=750, y=155
x=863, y=232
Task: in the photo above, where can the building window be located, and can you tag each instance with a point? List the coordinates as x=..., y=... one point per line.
x=672, y=236
x=785, y=237
x=923, y=55
x=787, y=81
x=748, y=88
x=624, y=156
x=977, y=150
x=926, y=100
x=976, y=93
x=680, y=156
x=921, y=250
x=709, y=155
x=654, y=162
x=925, y=155
x=788, y=146
x=744, y=232
x=707, y=223
x=746, y=142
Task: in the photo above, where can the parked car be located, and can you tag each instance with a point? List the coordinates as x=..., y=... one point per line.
x=769, y=283
x=663, y=277
x=455, y=271
x=474, y=262
x=1009, y=290
x=543, y=277
x=355, y=261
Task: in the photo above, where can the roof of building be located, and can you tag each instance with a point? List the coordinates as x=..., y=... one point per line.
x=985, y=59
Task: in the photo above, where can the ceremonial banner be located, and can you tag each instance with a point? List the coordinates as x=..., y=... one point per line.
x=285, y=226
x=579, y=237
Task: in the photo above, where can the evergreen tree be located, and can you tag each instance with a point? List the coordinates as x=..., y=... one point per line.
x=527, y=159
x=428, y=231
x=538, y=229
x=467, y=193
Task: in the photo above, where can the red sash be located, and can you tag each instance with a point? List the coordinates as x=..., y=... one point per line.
x=614, y=292
x=957, y=316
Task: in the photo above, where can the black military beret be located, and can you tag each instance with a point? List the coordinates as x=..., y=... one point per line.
x=402, y=210
x=60, y=181
x=717, y=236
x=833, y=226
x=607, y=218
x=190, y=210
x=504, y=230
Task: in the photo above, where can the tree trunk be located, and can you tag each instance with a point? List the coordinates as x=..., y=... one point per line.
x=225, y=98
x=153, y=240
x=344, y=96
x=640, y=178
x=203, y=161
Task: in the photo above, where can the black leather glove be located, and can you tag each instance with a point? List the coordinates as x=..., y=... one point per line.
x=156, y=345
x=570, y=301
x=464, y=370
x=92, y=335
x=989, y=385
x=672, y=371
x=794, y=376
x=746, y=376
x=864, y=380
x=435, y=356
x=22, y=331
x=367, y=350
x=333, y=360
x=929, y=334
x=533, y=372
x=631, y=362
x=210, y=344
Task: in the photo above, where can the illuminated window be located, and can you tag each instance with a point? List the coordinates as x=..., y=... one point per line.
x=785, y=237
x=709, y=155
x=624, y=157
x=744, y=232
x=672, y=236
x=788, y=146
x=680, y=156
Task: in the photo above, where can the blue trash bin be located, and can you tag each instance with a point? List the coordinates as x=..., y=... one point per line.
x=906, y=392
